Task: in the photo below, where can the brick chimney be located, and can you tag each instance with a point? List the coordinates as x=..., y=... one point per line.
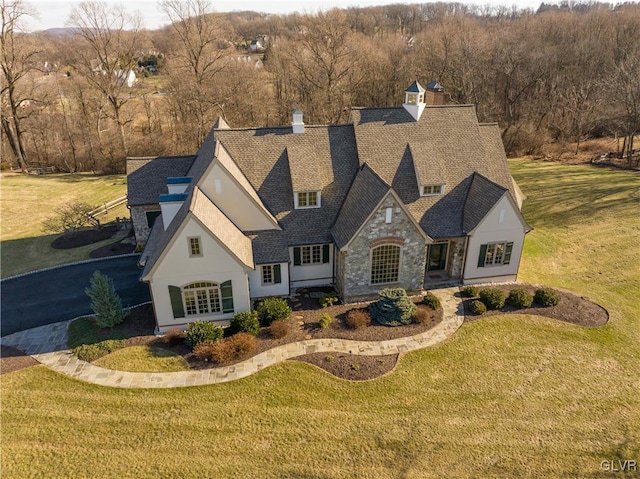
x=435, y=94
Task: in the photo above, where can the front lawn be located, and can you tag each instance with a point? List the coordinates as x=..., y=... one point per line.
x=506, y=396
x=27, y=200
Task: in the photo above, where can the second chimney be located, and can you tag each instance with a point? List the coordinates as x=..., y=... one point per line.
x=297, y=123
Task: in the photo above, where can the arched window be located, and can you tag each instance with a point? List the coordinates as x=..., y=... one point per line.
x=201, y=298
x=385, y=264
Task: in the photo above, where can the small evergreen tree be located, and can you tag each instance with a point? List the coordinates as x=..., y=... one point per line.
x=105, y=302
x=394, y=308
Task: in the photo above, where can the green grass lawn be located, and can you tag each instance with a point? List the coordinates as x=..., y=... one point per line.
x=506, y=396
x=27, y=200
x=143, y=359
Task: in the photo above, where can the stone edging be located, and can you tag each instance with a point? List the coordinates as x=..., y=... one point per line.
x=65, y=362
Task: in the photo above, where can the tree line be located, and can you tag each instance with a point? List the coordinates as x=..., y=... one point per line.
x=564, y=72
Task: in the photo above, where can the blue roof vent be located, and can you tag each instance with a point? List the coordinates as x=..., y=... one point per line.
x=179, y=180
x=173, y=198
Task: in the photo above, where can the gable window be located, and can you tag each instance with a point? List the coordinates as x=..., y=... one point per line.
x=310, y=255
x=195, y=248
x=271, y=274
x=495, y=254
x=202, y=297
x=307, y=199
x=385, y=264
x=432, y=190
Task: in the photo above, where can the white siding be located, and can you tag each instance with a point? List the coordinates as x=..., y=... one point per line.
x=232, y=200
x=258, y=290
x=502, y=224
x=178, y=269
x=311, y=274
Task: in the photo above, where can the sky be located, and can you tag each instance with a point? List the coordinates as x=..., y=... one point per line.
x=54, y=13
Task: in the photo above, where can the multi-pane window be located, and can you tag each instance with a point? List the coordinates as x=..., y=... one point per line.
x=385, y=264
x=271, y=274
x=493, y=254
x=194, y=246
x=430, y=190
x=267, y=274
x=308, y=199
x=311, y=254
x=201, y=298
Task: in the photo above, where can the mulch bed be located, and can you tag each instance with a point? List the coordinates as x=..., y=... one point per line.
x=13, y=359
x=113, y=249
x=351, y=367
x=571, y=308
x=84, y=238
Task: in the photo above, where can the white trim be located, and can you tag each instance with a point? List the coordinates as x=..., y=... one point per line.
x=296, y=200
x=439, y=193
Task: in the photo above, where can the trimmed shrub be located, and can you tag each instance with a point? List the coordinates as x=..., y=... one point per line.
x=519, y=298
x=357, y=318
x=325, y=321
x=227, y=349
x=328, y=299
x=200, y=331
x=477, y=307
x=204, y=350
x=421, y=316
x=91, y=352
x=470, y=291
x=245, y=322
x=431, y=300
x=273, y=309
x=492, y=298
x=278, y=329
x=393, y=308
x=546, y=297
x=174, y=337
x=105, y=302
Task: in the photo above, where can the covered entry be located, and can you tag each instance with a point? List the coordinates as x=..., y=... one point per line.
x=437, y=256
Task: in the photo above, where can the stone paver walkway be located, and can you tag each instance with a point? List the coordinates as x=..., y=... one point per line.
x=47, y=344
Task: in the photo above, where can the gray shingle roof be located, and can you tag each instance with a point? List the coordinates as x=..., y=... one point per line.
x=147, y=177
x=261, y=154
x=444, y=135
x=482, y=196
x=269, y=246
x=366, y=192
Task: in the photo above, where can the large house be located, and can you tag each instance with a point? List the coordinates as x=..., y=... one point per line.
x=398, y=197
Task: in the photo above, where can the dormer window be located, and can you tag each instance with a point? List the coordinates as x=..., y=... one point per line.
x=432, y=190
x=307, y=199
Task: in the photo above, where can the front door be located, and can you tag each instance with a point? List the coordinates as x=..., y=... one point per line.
x=437, y=259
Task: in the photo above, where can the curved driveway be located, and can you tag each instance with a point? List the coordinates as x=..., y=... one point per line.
x=57, y=294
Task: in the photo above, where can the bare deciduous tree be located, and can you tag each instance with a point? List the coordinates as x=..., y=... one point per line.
x=16, y=59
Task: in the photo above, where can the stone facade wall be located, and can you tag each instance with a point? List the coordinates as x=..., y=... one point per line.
x=140, y=225
x=456, y=256
x=355, y=265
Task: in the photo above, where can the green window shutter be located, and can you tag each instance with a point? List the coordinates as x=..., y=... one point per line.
x=296, y=256
x=176, y=301
x=227, y=297
x=325, y=253
x=277, y=277
x=483, y=255
x=507, y=253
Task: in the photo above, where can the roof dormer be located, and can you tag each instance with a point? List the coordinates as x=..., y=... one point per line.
x=414, y=100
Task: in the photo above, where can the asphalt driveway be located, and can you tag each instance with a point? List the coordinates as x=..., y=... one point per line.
x=58, y=294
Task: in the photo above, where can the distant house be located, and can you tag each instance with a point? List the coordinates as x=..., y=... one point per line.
x=408, y=197
x=260, y=44
x=125, y=77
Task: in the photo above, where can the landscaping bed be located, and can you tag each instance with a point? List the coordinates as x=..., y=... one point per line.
x=571, y=308
x=84, y=237
x=302, y=324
